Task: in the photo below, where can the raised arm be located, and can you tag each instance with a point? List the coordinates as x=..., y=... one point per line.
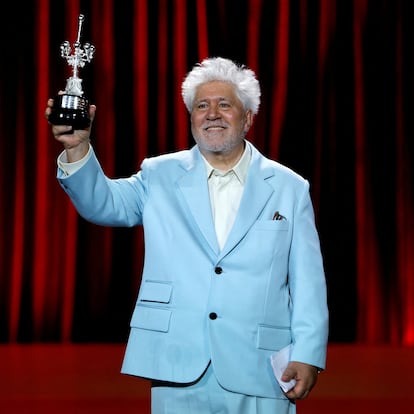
x=75, y=142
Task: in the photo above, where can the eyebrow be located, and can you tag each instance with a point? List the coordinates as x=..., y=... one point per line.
x=220, y=98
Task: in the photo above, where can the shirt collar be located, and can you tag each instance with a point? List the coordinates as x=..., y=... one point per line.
x=240, y=169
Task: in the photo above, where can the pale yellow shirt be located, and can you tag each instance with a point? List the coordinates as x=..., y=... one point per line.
x=71, y=167
x=226, y=190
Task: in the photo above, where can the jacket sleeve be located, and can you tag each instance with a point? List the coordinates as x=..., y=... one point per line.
x=307, y=287
x=102, y=200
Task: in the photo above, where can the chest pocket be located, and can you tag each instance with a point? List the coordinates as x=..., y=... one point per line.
x=271, y=225
x=270, y=237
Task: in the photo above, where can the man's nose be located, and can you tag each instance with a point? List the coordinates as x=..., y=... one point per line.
x=213, y=112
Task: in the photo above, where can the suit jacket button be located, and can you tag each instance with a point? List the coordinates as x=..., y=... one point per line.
x=218, y=270
x=213, y=315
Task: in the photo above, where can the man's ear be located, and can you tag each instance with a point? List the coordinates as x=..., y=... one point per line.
x=248, y=120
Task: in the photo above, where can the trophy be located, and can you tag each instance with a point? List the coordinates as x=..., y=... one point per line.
x=72, y=107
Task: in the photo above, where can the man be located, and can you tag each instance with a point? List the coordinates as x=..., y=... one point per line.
x=233, y=270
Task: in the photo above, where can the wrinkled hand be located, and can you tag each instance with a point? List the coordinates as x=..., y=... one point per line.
x=75, y=142
x=305, y=376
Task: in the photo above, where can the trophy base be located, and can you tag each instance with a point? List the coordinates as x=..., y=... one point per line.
x=70, y=110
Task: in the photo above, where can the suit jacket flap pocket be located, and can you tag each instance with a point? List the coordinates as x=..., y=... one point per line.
x=155, y=292
x=273, y=338
x=151, y=318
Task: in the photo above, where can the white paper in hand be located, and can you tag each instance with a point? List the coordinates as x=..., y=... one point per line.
x=279, y=361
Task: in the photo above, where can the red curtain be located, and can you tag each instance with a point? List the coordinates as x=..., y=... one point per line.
x=337, y=99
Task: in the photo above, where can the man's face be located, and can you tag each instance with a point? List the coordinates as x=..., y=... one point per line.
x=218, y=121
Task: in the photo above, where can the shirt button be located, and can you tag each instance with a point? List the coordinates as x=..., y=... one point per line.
x=218, y=270
x=213, y=315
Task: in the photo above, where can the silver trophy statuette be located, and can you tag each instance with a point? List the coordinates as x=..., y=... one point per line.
x=72, y=108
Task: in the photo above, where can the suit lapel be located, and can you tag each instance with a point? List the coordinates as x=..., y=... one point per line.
x=194, y=188
x=255, y=196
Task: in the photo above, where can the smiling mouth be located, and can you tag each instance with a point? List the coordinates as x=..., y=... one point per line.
x=214, y=128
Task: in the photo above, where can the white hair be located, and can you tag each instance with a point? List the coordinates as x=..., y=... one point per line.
x=221, y=69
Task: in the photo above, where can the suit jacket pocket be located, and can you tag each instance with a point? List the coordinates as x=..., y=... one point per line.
x=152, y=291
x=153, y=319
x=271, y=225
x=273, y=338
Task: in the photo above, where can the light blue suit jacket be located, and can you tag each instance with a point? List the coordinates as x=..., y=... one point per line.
x=197, y=304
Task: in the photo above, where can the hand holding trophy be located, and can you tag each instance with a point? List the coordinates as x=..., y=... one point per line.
x=72, y=107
